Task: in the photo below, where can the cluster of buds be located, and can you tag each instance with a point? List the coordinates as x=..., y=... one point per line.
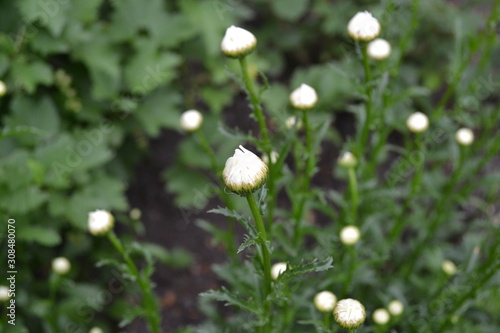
x=64, y=82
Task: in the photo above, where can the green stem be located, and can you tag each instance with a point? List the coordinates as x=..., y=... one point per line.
x=414, y=189
x=326, y=320
x=309, y=167
x=255, y=101
x=259, y=114
x=266, y=259
x=353, y=187
x=350, y=270
x=230, y=242
x=430, y=231
x=491, y=26
x=366, y=125
x=152, y=311
x=493, y=269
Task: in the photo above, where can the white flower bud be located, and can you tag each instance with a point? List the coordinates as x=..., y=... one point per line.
x=349, y=235
x=100, y=222
x=378, y=49
x=135, y=213
x=395, y=307
x=449, y=267
x=4, y=293
x=244, y=172
x=417, y=122
x=290, y=122
x=349, y=313
x=96, y=330
x=325, y=301
x=61, y=265
x=363, y=26
x=274, y=157
x=347, y=160
x=304, y=97
x=191, y=120
x=464, y=136
x=3, y=88
x=381, y=316
x=238, y=42
x=277, y=269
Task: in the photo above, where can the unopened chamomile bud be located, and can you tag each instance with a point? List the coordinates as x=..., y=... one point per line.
x=381, y=316
x=191, y=120
x=304, y=97
x=349, y=313
x=363, y=27
x=135, y=213
x=61, y=265
x=378, y=49
x=417, y=122
x=4, y=294
x=449, y=267
x=464, y=136
x=3, y=88
x=350, y=235
x=244, y=172
x=96, y=330
x=100, y=222
x=274, y=157
x=325, y=301
x=395, y=307
x=238, y=42
x=278, y=269
x=347, y=160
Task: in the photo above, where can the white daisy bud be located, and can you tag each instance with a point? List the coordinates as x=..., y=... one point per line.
x=417, y=122
x=325, y=301
x=290, y=122
x=347, y=160
x=381, y=316
x=379, y=49
x=191, y=120
x=349, y=313
x=274, y=157
x=464, y=136
x=100, y=222
x=3, y=88
x=277, y=269
x=449, y=267
x=244, y=172
x=395, y=307
x=96, y=330
x=135, y=213
x=349, y=235
x=4, y=293
x=237, y=42
x=304, y=97
x=61, y=265
x=363, y=26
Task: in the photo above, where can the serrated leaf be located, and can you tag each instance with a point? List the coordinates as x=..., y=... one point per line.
x=38, y=234
x=238, y=217
x=225, y=295
x=30, y=75
x=249, y=241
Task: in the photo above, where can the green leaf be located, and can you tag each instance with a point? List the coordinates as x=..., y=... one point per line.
x=30, y=75
x=38, y=234
x=159, y=109
x=225, y=295
x=249, y=241
x=34, y=112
